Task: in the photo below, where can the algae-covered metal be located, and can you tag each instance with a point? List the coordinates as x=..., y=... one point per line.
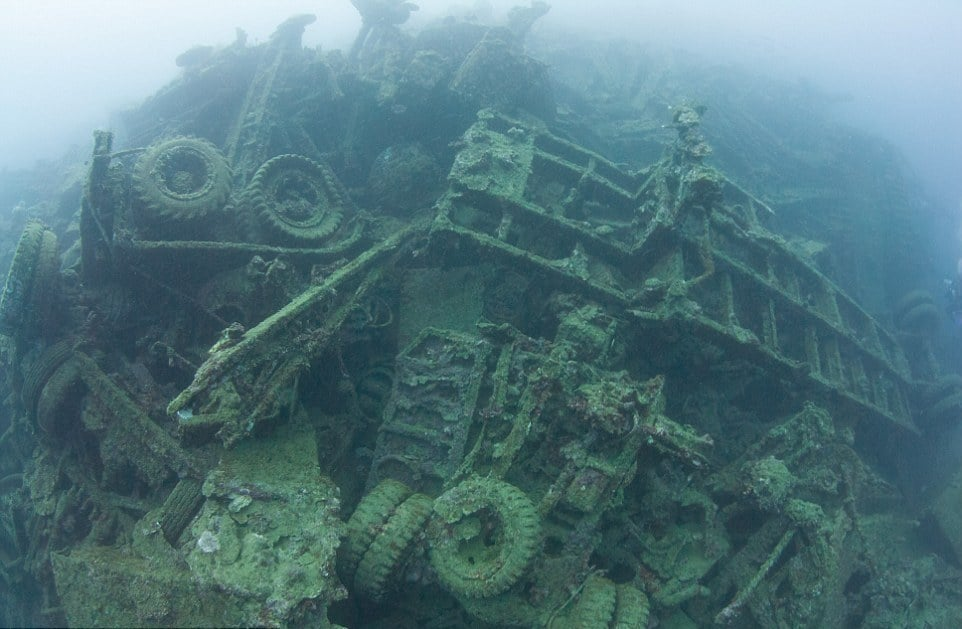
x=290, y=374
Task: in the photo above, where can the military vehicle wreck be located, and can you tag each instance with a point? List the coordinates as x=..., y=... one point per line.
x=362, y=340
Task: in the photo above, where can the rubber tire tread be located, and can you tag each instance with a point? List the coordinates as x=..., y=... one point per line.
x=180, y=507
x=389, y=548
x=17, y=297
x=160, y=202
x=261, y=201
x=923, y=319
x=933, y=392
x=596, y=604
x=519, y=540
x=368, y=518
x=909, y=301
x=944, y=413
x=59, y=388
x=632, y=608
x=41, y=369
x=45, y=283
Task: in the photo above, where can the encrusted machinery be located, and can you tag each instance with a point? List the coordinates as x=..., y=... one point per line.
x=678, y=249
x=572, y=402
x=558, y=393
x=122, y=517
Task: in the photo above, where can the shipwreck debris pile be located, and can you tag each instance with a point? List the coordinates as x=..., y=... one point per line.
x=367, y=339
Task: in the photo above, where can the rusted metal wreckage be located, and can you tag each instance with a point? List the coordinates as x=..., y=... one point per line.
x=556, y=393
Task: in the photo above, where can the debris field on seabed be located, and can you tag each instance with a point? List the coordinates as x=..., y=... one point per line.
x=394, y=337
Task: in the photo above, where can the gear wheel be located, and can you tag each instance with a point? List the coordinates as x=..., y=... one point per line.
x=296, y=200
x=182, y=179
